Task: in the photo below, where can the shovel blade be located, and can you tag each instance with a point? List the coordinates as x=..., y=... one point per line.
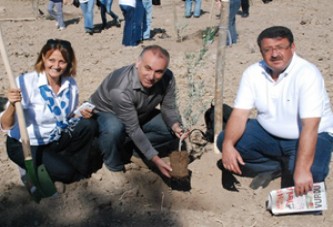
x=42, y=185
x=45, y=182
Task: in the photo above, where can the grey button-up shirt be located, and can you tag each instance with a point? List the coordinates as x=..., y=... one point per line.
x=122, y=94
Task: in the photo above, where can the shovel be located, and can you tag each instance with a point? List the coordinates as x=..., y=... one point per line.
x=37, y=180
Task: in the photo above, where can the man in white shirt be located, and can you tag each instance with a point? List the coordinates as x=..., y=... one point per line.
x=294, y=118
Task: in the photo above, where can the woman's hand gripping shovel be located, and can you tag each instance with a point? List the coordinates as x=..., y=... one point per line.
x=38, y=181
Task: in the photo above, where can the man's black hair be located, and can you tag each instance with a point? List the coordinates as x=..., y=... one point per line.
x=276, y=32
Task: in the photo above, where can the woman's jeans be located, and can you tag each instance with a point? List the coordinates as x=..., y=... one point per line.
x=88, y=15
x=129, y=31
x=58, y=16
x=263, y=152
x=66, y=160
x=188, y=8
x=139, y=19
x=116, y=146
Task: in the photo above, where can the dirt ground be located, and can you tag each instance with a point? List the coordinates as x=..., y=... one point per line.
x=140, y=197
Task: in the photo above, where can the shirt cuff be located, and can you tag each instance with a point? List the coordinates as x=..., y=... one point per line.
x=150, y=154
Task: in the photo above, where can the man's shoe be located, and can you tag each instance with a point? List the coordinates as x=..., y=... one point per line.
x=149, y=39
x=104, y=27
x=263, y=179
x=229, y=181
x=117, y=23
x=89, y=31
x=245, y=14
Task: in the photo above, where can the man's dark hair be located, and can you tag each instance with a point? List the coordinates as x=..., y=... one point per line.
x=275, y=32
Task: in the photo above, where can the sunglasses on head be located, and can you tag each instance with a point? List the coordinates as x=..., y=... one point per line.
x=54, y=42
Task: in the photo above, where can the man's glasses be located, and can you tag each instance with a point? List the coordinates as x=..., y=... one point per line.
x=278, y=49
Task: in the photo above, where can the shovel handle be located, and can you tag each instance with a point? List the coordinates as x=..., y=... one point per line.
x=18, y=106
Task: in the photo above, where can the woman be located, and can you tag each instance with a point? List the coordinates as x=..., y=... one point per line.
x=49, y=95
x=133, y=13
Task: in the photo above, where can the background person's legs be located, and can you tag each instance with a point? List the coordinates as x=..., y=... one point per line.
x=197, y=8
x=188, y=8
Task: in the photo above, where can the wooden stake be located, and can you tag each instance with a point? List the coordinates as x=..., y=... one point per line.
x=211, y=12
x=219, y=76
x=35, y=8
x=175, y=20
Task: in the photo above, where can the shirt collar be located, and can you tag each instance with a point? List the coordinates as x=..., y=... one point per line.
x=42, y=80
x=267, y=71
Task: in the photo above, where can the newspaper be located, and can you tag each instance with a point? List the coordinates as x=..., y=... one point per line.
x=284, y=201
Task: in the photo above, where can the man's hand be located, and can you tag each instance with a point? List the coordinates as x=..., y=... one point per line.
x=179, y=131
x=231, y=159
x=162, y=166
x=303, y=182
x=305, y=156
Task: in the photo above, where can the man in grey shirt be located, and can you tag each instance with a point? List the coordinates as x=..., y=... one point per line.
x=126, y=104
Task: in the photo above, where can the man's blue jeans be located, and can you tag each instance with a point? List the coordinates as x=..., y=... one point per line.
x=188, y=8
x=234, y=7
x=263, y=152
x=117, y=148
x=148, y=5
x=88, y=15
x=106, y=6
x=58, y=16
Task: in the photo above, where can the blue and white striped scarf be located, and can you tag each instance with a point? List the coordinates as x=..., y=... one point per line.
x=59, y=106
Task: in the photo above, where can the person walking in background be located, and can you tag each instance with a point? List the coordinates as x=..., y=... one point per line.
x=133, y=13
x=245, y=8
x=293, y=130
x=148, y=6
x=188, y=8
x=105, y=7
x=58, y=15
x=234, y=6
x=139, y=20
x=87, y=7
